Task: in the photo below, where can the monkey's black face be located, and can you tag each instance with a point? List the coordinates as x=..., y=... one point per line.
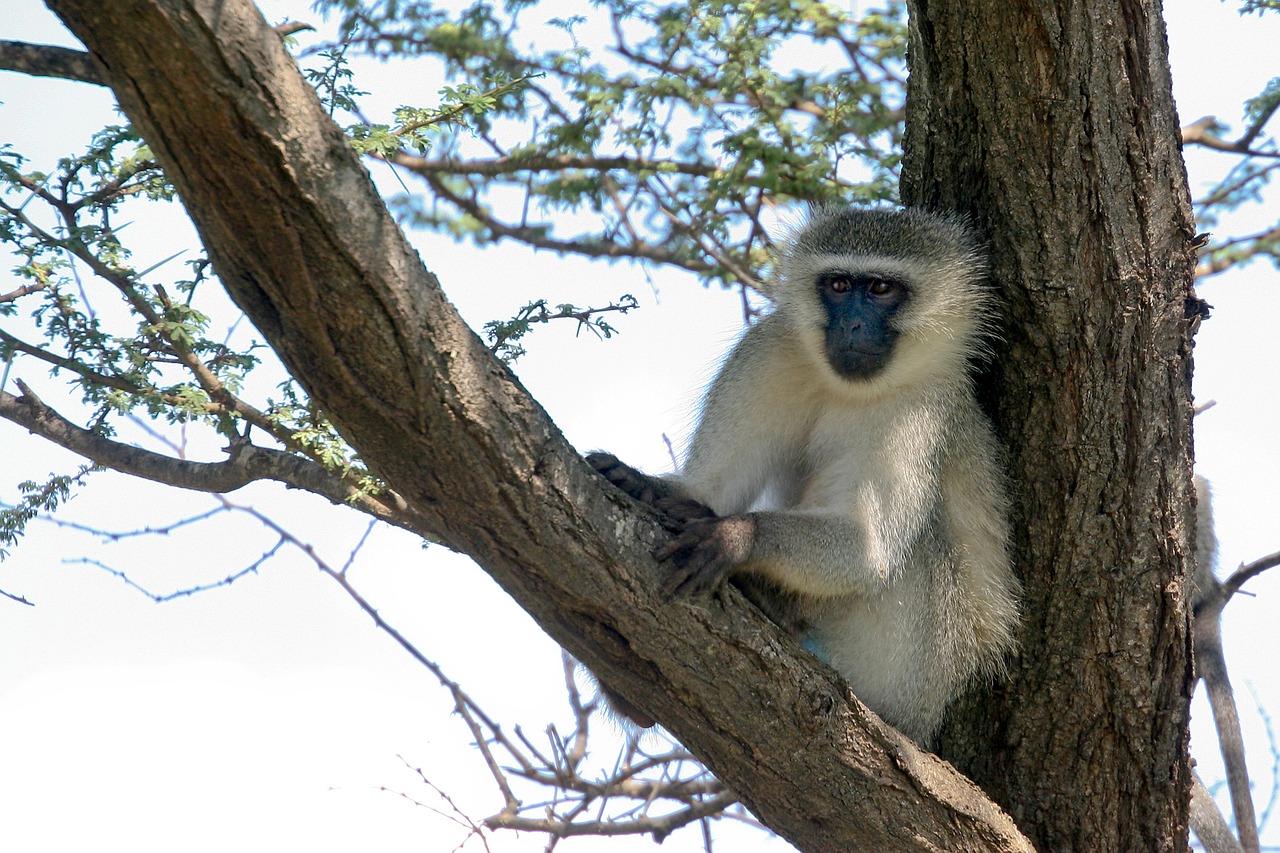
x=859, y=336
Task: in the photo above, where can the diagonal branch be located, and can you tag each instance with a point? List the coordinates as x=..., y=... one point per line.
x=551, y=163
x=46, y=60
x=90, y=375
x=300, y=238
x=221, y=400
x=1246, y=573
x=592, y=248
x=1229, y=253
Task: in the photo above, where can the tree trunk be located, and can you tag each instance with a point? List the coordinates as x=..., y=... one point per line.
x=300, y=239
x=1052, y=124
x=1075, y=175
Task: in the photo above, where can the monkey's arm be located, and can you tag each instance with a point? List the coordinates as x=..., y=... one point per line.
x=753, y=424
x=734, y=450
x=817, y=555
x=852, y=528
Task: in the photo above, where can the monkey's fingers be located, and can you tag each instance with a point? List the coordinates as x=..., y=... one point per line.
x=609, y=466
x=686, y=564
x=671, y=547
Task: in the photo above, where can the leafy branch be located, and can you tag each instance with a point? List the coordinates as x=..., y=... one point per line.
x=167, y=363
x=36, y=499
x=504, y=334
x=678, y=149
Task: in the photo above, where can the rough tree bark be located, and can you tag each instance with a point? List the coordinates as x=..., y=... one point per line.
x=303, y=244
x=1052, y=124
x=1032, y=119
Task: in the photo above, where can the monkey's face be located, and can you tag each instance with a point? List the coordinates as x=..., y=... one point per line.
x=884, y=299
x=877, y=324
x=860, y=337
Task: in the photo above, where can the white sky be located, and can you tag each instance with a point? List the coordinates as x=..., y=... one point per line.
x=266, y=715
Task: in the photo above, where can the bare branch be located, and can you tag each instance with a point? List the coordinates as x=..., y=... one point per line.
x=458, y=816
x=592, y=248
x=44, y=60
x=288, y=28
x=537, y=162
x=1210, y=826
x=16, y=598
x=1209, y=599
x=26, y=289
x=1200, y=132
x=1219, y=258
x=1211, y=666
x=185, y=592
x=658, y=827
x=1248, y=572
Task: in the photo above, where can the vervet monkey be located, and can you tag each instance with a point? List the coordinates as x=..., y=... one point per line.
x=842, y=466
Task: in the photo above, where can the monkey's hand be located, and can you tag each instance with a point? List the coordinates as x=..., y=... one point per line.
x=658, y=493
x=706, y=552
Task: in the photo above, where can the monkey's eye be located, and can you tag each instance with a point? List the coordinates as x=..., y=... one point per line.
x=869, y=283
x=881, y=286
x=838, y=283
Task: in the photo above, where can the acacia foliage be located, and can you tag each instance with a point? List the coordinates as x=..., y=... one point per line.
x=671, y=142
x=673, y=137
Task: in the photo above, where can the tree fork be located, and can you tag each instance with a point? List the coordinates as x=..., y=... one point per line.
x=1053, y=126
x=306, y=248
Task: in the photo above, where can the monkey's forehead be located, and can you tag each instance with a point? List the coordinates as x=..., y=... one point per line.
x=850, y=232
x=908, y=270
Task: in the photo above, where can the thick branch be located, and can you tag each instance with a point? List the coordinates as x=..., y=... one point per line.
x=44, y=60
x=1053, y=126
x=304, y=245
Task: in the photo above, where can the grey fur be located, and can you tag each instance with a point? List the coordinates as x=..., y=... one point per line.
x=876, y=504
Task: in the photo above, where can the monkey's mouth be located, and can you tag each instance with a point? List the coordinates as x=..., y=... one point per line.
x=858, y=363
